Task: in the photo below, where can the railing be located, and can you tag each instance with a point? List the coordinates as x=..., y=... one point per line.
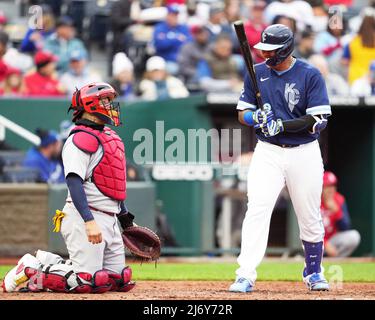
x=17, y=129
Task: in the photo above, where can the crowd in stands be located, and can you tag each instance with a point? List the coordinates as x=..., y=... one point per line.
x=172, y=48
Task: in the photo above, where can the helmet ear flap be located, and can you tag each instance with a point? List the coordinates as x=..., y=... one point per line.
x=287, y=49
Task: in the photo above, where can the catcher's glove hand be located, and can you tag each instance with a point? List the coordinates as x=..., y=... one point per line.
x=140, y=241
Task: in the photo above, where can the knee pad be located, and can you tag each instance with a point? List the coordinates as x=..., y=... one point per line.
x=87, y=283
x=121, y=282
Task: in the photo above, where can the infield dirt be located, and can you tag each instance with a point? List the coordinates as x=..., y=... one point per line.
x=212, y=290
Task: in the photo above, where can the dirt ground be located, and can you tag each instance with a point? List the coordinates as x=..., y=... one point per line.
x=212, y=290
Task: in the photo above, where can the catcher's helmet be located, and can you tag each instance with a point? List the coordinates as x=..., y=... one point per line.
x=279, y=38
x=97, y=98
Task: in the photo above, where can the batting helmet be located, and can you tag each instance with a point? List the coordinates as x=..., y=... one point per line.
x=97, y=98
x=329, y=179
x=279, y=38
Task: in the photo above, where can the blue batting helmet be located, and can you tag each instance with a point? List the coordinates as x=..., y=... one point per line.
x=279, y=38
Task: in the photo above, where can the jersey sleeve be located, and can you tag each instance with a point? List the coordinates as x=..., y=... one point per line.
x=74, y=160
x=247, y=99
x=317, y=96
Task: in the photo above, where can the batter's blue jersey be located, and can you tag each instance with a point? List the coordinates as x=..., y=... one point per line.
x=299, y=91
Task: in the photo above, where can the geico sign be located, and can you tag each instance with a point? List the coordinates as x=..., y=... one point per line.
x=182, y=172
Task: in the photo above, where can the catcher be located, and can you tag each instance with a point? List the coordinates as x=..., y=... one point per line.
x=94, y=165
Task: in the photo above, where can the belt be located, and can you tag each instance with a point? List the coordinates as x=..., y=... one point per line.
x=286, y=145
x=112, y=214
x=106, y=212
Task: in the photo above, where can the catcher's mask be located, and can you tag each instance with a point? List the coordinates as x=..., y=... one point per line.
x=97, y=99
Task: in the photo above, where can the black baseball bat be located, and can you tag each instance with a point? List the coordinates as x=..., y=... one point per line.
x=246, y=53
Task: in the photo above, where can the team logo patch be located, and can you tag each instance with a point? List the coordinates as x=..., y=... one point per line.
x=292, y=95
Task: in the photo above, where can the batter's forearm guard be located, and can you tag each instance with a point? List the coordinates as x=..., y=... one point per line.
x=304, y=123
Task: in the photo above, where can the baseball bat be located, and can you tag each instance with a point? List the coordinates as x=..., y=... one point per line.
x=246, y=53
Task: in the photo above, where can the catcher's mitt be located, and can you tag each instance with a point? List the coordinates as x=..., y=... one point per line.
x=142, y=242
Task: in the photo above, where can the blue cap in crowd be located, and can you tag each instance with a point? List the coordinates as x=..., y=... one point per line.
x=173, y=8
x=65, y=21
x=372, y=65
x=77, y=55
x=49, y=138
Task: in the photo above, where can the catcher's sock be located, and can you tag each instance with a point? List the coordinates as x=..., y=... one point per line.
x=313, y=257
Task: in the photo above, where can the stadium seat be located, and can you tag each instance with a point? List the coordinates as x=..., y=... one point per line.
x=12, y=158
x=19, y=175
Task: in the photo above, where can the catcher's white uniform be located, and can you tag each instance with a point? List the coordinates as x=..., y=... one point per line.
x=85, y=256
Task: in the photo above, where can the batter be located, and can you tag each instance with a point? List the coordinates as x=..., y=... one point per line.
x=95, y=172
x=287, y=154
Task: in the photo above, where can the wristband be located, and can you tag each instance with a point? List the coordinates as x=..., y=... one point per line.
x=248, y=118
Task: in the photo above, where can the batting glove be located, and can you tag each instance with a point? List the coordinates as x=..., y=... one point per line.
x=263, y=116
x=271, y=128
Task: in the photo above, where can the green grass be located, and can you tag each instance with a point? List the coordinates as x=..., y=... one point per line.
x=268, y=271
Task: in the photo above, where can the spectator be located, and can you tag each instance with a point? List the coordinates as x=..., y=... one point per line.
x=3, y=48
x=232, y=11
x=340, y=240
x=35, y=38
x=158, y=84
x=63, y=42
x=305, y=47
x=287, y=21
x=217, y=23
x=191, y=54
x=219, y=71
x=123, y=76
x=360, y=51
x=321, y=15
x=3, y=20
x=43, y=81
x=254, y=27
x=193, y=18
x=13, y=83
x=299, y=11
x=336, y=85
x=329, y=43
x=11, y=57
x=355, y=22
x=365, y=86
x=168, y=38
x=45, y=158
x=120, y=21
x=79, y=74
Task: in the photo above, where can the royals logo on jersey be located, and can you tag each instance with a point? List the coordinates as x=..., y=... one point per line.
x=292, y=95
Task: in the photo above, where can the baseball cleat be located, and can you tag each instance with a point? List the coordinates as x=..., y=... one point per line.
x=241, y=285
x=316, y=282
x=17, y=275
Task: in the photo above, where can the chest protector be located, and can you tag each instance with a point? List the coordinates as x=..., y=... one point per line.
x=109, y=175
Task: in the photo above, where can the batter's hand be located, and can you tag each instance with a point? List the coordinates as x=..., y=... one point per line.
x=271, y=128
x=263, y=116
x=93, y=232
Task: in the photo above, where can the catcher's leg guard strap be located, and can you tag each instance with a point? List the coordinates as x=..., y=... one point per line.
x=121, y=282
